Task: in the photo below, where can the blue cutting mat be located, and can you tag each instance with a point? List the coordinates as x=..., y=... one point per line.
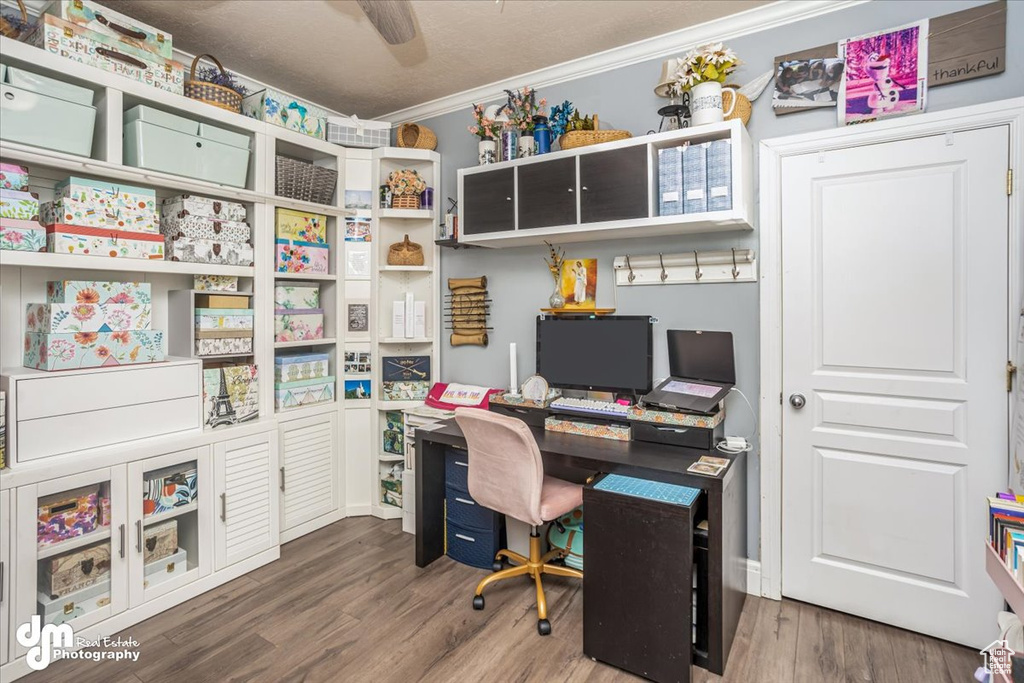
x=651, y=490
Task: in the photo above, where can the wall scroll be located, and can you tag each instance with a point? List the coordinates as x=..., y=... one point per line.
x=467, y=308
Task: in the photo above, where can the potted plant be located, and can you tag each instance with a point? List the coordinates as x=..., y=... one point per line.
x=702, y=72
x=522, y=107
x=488, y=131
x=406, y=187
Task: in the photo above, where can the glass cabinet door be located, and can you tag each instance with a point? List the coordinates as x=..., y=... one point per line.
x=78, y=546
x=169, y=514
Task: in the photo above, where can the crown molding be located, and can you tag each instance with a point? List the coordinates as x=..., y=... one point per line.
x=754, y=20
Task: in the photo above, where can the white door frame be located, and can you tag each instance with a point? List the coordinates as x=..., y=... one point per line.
x=1004, y=112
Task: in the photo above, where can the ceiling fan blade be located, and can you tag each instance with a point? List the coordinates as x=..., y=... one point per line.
x=391, y=18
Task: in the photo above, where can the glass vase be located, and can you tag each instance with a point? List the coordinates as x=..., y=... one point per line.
x=556, y=300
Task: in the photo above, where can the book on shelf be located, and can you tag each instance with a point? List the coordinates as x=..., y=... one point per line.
x=1006, y=532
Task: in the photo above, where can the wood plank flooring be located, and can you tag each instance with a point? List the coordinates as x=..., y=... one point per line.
x=347, y=604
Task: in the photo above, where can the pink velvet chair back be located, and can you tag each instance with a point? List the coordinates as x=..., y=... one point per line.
x=506, y=472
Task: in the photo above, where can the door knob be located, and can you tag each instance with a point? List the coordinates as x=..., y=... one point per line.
x=797, y=401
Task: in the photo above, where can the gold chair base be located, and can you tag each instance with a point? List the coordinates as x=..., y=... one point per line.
x=535, y=566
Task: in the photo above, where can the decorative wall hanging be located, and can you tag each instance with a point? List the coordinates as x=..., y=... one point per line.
x=467, y=309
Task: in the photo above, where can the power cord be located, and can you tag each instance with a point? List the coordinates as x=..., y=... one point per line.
x=737, y=444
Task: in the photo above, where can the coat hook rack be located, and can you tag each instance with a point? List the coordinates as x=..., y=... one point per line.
x=695, y=267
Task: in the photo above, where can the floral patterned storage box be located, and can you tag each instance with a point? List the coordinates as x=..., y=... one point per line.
x=292, y=368
x=206, y=228
x=13, y=177
x=224, y=319
x=302, y=257
x=67, y=515
x=118, y=26
x=75, y=350
x=602, y=431
x=97, y=292
x=203, y=206
x=65, y=574
x=215, y=283
x=221, y=346
x=117, y=197
x=73, y=239
x=165, y=490
x=230, y=395
x=297, y=296
x=669, y=418
x=96, y=214
x=87, y=317
x=282, y=110
x=298, y=324
x=23, y=206
x=192, y=250
x=303, y=392
x=19, y=235
x=301, y=226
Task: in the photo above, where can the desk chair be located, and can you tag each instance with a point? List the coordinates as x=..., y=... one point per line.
x=506, y=474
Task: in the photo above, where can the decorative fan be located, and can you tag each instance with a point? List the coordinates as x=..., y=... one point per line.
x=391, y=18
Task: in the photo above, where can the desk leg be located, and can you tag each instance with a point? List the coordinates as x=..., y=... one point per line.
x=727, y=555
x=429, y=501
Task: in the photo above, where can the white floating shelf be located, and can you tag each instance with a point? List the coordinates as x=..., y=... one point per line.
x=403, y=340
x=309, y=207
x=398, y=405
x=33, y=259
x=305, y=342
x=315, y=277
x=60, y=547
x=390, y=457
x=171, y=514
x=406, y=269
x=419, y=214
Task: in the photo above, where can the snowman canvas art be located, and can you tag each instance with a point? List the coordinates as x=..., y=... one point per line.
x=885, y=74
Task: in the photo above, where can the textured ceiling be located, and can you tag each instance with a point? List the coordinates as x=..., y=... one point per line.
x=328, y=52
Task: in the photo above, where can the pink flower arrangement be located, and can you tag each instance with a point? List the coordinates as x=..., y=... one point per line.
x=523, y=106
x=483, y=127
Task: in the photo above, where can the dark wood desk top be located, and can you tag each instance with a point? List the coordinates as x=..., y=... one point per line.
x=638, y=458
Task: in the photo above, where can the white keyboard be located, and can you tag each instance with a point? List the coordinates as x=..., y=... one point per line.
x=583, y=405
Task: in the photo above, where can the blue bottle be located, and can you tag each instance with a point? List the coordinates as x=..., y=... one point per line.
x=542, y=134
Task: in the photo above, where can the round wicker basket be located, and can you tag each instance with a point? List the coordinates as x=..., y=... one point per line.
x=210, y=93
x=743, y=108
x=416, y=136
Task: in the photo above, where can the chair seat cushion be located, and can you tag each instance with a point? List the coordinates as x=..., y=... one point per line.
x=558, y=497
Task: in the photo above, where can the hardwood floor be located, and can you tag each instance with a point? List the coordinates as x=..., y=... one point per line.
x=347, y=604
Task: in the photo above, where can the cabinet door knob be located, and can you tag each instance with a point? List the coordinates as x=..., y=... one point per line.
x=570, y=189
x=508, y=199
x=584, y=188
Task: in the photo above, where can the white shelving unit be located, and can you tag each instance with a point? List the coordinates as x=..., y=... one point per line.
x=391, y=283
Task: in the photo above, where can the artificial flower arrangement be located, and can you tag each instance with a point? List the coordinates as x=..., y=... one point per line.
x=522, y=106
x=483, y=127
x=711, y=62
x=560, y=116
x=225, y=79
x=406, y=182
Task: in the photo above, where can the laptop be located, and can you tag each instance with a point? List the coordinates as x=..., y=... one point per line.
x=702, y=370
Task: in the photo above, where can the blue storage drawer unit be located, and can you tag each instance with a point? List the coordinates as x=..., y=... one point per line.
x=456, y=469
x=160, y=141
x=468, y=514
x=472, y=546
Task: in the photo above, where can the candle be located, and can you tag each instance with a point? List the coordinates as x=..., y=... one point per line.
x=512, y=383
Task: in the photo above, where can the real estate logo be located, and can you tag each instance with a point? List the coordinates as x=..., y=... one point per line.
x=999, y=659
x=44, y=643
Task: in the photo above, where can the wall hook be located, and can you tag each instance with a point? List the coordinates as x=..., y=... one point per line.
x=632, y=275
x=697, y=264
x=664, y=275
x=735, y=270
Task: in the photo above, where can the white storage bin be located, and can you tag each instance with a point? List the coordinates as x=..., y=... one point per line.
x=351, y=131
x=33, y=118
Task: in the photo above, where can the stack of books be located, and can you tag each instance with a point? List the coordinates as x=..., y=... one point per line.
x=1006, y=531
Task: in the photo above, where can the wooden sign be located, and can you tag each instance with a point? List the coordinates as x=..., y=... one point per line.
x=968, y=44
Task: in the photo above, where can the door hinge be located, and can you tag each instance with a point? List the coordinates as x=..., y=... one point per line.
x=1009, y=181
x=1011, y=370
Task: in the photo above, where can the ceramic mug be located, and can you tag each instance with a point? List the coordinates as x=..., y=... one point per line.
x=706, y=103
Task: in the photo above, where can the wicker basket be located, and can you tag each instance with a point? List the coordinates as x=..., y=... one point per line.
x=583, y=138
x=18, y=28
x=416, y=136
x=743, y=108
x=211, y=93
x=303, y=181
x=405, y=201
x=405, y=253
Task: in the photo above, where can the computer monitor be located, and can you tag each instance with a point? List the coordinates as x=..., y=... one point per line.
x=596, y=353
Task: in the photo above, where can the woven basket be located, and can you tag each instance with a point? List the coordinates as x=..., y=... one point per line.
x=416, y=136
x=19, y=30
x=405, y=253
x=583, y=138
x=303, y=181
x=743, y=108
x=211, y=93
x=405, y=201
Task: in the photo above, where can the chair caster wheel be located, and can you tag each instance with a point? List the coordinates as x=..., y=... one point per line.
x=544, y=627
x=478, y=602
x=497, y=566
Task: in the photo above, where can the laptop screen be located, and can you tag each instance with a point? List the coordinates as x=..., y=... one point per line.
x=701, y=355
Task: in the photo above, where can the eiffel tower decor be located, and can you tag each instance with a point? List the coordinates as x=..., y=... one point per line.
x=223, y=411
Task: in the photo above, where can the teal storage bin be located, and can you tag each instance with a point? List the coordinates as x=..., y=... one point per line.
x=27, y=80
x=40, y=120
x=165, y=142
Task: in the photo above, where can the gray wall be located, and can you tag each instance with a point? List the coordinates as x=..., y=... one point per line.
x=518, y=279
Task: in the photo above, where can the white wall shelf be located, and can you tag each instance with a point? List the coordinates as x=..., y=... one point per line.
x=406, y=269
x=309, y=277
x=29, y=259
x=305, y=342
x=407, y=213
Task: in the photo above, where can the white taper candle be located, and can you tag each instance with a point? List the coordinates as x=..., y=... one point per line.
x=513, y=385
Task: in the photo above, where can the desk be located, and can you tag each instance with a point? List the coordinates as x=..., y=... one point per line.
x=725, y=509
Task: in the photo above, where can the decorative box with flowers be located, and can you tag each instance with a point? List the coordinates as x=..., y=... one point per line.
x=97, y=292
x=215, y=283
x=208, y=319
x=73, y=239
x=188, y=204
x=291, y=324
x=94, y=214
x=192, y=250
x=75, y=350
x=87, y=317
x=301, y=257
x=19, y=235
x=301, y=226
x=125, y=200
x=13, y=177
x=222, y=346
x=296, y=296
x=282, y=110
x=23, y=206
x=67, y=515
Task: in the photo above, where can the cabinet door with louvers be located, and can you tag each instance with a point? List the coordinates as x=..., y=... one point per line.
x=247, y=516
x=309, y=475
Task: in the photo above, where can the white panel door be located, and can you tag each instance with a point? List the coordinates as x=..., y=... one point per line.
x=246, y=484
x=895, y=335
x=5, y=576
x=309, y=477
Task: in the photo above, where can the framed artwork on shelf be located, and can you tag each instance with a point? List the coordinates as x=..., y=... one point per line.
x=357, y=260
x=578, y=283
x=357, y=363
x=357, y=316
x=358, y=389
x=358, y=199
